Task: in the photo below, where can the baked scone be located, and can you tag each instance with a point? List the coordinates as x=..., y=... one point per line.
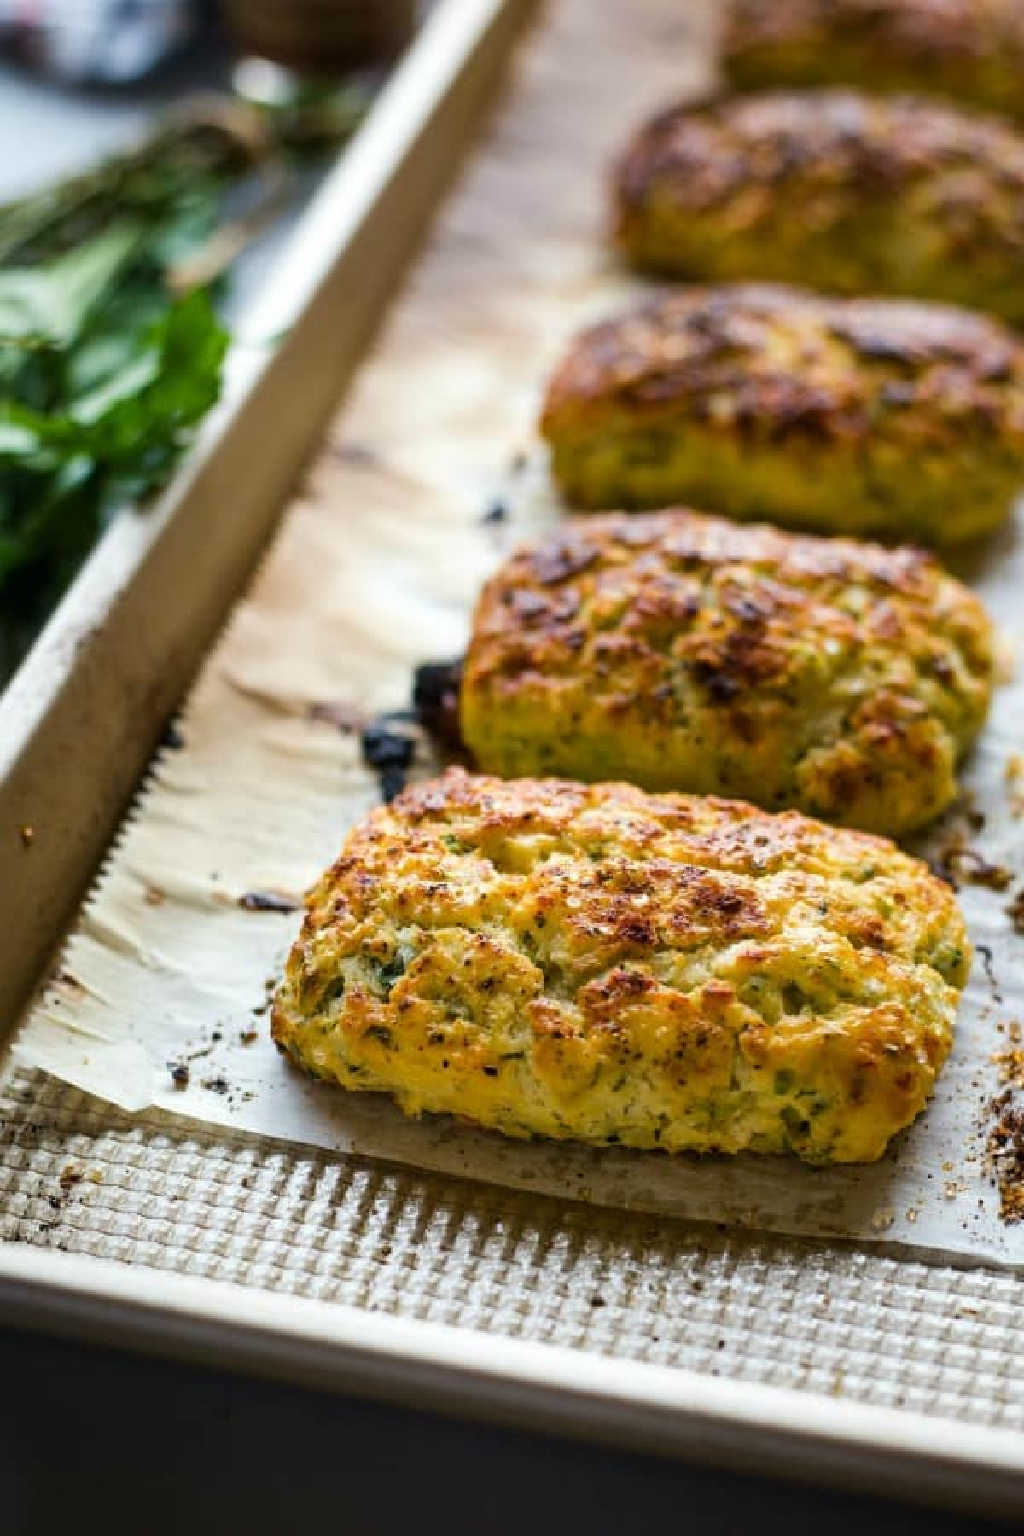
x=846, y=192
x=685, y=652
x=972, y=50
x=596, y=963
x=861, y=416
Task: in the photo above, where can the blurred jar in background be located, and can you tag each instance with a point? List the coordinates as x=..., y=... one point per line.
x=115, y=42
x=322, y=37
x=106, y=42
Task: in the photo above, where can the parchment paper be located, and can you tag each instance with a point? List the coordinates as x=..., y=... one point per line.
x=374, y=570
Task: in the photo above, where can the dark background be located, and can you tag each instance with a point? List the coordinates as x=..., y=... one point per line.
x=93, y=1440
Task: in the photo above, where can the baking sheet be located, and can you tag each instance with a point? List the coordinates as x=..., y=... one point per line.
x=375, y=570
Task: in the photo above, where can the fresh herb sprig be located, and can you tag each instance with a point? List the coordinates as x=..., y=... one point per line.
x=104, y=372
x=110, y=348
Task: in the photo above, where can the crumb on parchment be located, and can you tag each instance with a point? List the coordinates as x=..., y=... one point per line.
x=1014, y=775
x=1004, y=1154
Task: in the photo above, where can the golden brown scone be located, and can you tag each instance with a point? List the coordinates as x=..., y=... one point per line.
x=841, y=191
x=601, y=964
x=861, y=416
x=685, y=652
x=972, y=50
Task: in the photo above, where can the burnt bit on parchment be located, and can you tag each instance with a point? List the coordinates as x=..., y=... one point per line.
x=389, y=740
x=1004, y=1154
x=984, y=952
x=1014, y=777
x=267, y=901
x=389, y=748
x=172, y=738
x=361, y=455
x=958, y=863
x=435, y=700
x=181, y=1070
x=344, y=716
x=956, y=860
x=972, y=868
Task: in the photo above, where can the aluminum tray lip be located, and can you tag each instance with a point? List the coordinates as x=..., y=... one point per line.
x=366, y=217
x=654, y=1408
x=327, y=226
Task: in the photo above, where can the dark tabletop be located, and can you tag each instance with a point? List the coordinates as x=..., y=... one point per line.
x=96, y=1440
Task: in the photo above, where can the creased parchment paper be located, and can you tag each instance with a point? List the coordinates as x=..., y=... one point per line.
x=374, y=570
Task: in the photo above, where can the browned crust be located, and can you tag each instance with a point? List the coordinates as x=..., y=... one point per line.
x=924, y=30
x=744, y=594
x=838, y=138
x=680, y=850
x=644, y=621
x=779, y=361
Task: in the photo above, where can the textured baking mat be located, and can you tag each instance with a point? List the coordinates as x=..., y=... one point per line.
x=80, y=1176
x=430, y=474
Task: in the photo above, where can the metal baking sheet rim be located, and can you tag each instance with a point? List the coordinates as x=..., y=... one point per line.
x=661, y=1410
x=114, y=660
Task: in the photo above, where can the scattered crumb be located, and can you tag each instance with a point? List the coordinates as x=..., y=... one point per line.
x=985, y=953
x=951, y=1189
x=911, y=1214
x=957, y=863
x=248, y=1036
x=69, y=1175
x=1015, y=783
x=1005, y=658
x=1011, y=1067
x=1004, y=1155
x=435, y=698
x=1015, y=911
x=180, y=1073
x=343, y=716
x=268, y=901
x=172, y=737
x=389, y=752
x=153, y=896
x=216, y=1084
x=28, y=836
x=360, y=454
x=883, y=1219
